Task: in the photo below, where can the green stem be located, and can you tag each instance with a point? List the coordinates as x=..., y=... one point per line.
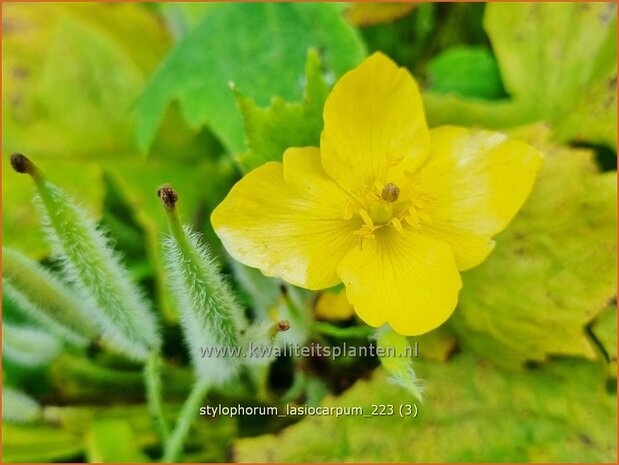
x=152, y=379
x=328, y=329
x=174, y=445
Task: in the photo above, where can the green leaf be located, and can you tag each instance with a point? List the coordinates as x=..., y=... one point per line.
x=270, y=131
x=71, y=75
x=536, y=416
x=550, y=53
x=209, y=440
x=80, y=98
x=552, y=271
x=558, y=63
x=454, y=109
x=467, y=71
x=112, y=440
x=38, y=444
x=182, y=17
x=198, y=70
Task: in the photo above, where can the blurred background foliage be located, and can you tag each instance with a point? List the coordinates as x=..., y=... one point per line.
x=112, y=100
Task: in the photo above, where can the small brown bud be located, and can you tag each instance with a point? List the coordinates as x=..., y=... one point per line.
x=168, y=196
x=283, y=325
x=21, y=163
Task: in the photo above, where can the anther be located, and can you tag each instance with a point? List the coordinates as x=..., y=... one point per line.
x=390, y=192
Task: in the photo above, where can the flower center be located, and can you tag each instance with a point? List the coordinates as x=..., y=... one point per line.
x=381, y=212
x=387, y=206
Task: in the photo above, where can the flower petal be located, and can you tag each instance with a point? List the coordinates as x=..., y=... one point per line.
x=287, y=220
x=477, y=180
x=405, y=279
x=375, y=127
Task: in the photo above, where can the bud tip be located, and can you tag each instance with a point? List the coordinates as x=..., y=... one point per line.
x=168, y=196
x=21, y=163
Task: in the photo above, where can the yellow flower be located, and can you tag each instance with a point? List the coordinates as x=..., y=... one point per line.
x=391, y=209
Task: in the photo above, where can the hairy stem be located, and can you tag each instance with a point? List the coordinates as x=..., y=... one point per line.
x=95, y=269
x=152, y=379
x=46, y=299
x=174, y=446
x=210, y=315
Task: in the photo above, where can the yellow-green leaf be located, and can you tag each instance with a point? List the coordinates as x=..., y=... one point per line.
x=605, y=330
x=113, y=440
x=71, y=76
x=553, y=269
x=38, y=444
x=558, y=414
x=558, y=63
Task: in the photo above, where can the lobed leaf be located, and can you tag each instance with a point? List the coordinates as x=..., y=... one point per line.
x=286, y=30
x=270, y=131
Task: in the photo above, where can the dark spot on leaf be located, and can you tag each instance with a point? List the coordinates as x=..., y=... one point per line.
x=10, y=26
x=607, y=16
x=586, y=439
x=20, y=72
